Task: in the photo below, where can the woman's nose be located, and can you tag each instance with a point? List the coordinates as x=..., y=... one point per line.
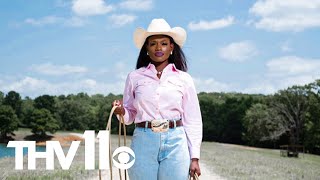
x=158, y=47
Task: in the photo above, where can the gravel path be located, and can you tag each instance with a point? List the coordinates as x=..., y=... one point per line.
x=207, y=175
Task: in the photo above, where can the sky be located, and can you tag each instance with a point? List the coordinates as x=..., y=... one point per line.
x=60, y=47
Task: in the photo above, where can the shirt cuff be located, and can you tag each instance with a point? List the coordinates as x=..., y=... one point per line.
x=195, y=153
x=125, y=117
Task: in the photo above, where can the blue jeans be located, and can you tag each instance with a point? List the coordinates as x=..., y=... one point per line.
x=160, y=156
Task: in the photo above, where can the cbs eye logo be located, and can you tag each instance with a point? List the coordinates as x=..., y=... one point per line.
x=123, y=155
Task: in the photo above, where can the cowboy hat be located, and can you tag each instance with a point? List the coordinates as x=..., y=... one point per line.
x=159, y=27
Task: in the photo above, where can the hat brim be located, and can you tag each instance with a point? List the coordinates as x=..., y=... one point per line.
x=178, y=34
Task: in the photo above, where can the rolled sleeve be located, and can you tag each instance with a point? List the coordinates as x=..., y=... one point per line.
x=192, y=120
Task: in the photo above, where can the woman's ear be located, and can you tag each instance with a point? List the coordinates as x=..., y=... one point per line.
x=172, y=46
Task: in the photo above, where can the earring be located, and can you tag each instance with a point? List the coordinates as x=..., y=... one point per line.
x=147, y=53
x=171, y=52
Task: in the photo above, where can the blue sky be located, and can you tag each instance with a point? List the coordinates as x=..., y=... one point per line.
x=70, y=46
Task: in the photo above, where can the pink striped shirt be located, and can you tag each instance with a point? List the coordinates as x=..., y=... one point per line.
x=173, y=96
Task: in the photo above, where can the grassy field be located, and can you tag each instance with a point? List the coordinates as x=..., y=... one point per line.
x=241, y=162
x=227, y=161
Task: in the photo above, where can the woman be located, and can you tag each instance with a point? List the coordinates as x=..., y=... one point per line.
x=161, y=100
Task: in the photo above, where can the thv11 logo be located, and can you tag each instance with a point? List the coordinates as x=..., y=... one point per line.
x=54, y=147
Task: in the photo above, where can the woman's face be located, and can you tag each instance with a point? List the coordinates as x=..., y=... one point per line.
x=159, y=48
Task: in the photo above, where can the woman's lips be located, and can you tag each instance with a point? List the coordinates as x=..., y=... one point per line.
x=159, y=54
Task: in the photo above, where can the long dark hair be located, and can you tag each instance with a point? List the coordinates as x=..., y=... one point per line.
x=177, y=58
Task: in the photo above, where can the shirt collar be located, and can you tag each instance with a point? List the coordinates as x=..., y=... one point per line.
x=170, y=67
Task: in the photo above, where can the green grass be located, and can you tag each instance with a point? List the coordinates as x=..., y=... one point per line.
x=227, y=161
x=57, y=174
x=240, y=162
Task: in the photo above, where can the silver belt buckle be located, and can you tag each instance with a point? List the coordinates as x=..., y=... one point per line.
x=160, y=125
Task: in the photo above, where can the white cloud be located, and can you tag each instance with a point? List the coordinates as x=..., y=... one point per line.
x=50, y=69
x=211, y=85
x=208, y=25
x=257, y=87
x=52, y=20
x=261, y=87
x=33, y=87
x=92, y=82
x=122, y=19
x=74, y=22
x=238, y=51
x=27, y=85
x=286, y=15
x=298, y=80
x=292, y=65
x=137, y=5
x=90, y=7
x=265, y=85
x=281, y=73
x=284, y=72
x=47, y=20
x=271, y=85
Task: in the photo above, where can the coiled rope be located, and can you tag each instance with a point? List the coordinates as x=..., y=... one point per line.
x=108, y=128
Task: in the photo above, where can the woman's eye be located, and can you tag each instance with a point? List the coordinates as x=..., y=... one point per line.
x=164, y=44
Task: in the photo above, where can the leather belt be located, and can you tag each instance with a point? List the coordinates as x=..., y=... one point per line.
x=171, y=124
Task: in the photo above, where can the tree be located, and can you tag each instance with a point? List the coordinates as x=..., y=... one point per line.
x=43, y=121
x=73, y=115
x=9, y=121
x=13, y=99
x=232, y=114
x=311, y=133
x=1, y=97
x=27, y=109
x=210, y=117
x=98, y=100
x=46, y=102
x=262, y=124
x=291, y=106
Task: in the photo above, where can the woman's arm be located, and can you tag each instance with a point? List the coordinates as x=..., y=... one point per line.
x=126, y=106
x=192, y=123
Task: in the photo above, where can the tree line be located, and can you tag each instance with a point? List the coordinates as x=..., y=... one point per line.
x=290, y=116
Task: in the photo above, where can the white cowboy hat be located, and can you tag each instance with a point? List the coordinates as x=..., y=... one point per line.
x=159, y=26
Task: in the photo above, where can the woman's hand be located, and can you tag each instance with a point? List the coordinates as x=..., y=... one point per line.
x=119, y=110
x=194, y=167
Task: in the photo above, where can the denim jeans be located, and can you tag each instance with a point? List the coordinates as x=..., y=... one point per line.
x=160, y=156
